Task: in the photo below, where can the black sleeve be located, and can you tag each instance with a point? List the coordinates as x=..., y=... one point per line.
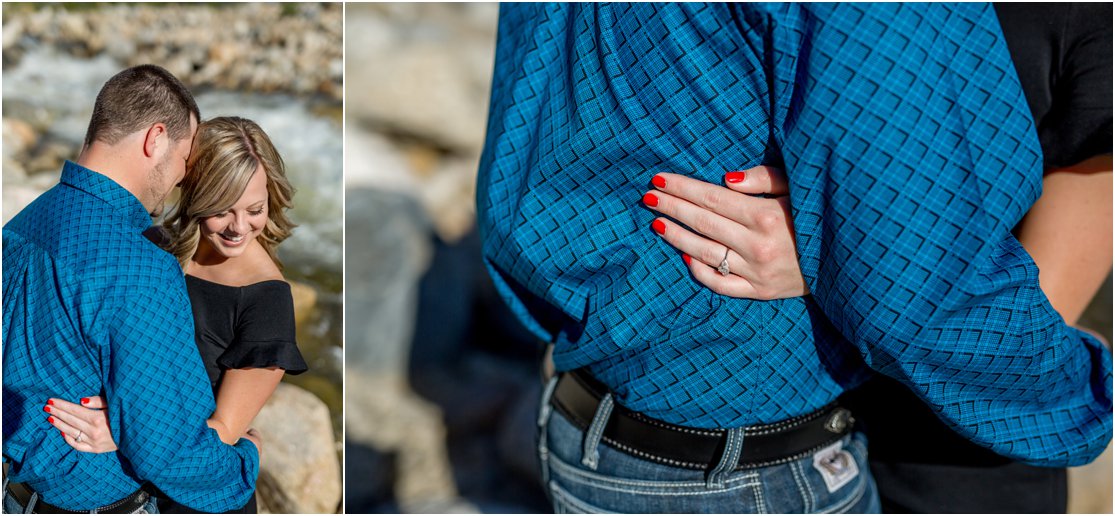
x=1079, y=124
x=1062, y=53
x=265, y=332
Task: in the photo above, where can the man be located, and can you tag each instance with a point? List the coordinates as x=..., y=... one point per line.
x=90, y=305
x=907, y=146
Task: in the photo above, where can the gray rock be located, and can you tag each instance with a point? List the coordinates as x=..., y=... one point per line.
x=299, y=469
x=387, y=249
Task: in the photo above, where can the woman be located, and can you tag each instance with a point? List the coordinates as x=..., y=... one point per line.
x=224, y=232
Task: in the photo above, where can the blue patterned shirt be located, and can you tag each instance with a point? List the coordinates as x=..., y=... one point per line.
x=91, y=306
x=910, y=152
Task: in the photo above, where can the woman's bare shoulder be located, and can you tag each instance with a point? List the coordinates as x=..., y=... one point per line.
x=259, y=266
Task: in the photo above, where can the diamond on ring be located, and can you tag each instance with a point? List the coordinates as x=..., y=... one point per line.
x=78, y=438
x=723, y=267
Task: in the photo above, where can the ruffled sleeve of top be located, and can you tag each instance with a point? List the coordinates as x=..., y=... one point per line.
x=265, y=331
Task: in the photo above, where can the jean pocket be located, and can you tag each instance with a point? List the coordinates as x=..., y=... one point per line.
x=565, y=503
x=641, y=487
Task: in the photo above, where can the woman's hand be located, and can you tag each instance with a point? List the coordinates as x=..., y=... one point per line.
x=256, y=438
x=755, y=234
x=85, y=426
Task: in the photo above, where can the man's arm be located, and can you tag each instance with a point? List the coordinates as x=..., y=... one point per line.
x=907, y=173
x=159, y=398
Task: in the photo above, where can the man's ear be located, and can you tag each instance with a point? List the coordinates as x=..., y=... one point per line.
x=150, y=140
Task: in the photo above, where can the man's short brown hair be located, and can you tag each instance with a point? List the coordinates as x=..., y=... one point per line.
x=137, y=98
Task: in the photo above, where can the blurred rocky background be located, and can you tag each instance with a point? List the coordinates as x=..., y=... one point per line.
x=277, y=64
x=441, y=380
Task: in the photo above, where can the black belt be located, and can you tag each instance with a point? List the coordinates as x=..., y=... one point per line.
x=578, y=395
x=128, y=505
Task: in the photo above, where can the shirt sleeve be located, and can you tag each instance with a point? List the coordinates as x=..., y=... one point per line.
x=909, y=164
x=265, y=333
x=159, y=398
x=1078, y=124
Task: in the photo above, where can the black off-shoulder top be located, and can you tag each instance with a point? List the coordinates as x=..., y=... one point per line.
x=244, y=327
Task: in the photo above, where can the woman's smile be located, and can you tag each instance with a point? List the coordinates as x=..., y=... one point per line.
x=228, y=233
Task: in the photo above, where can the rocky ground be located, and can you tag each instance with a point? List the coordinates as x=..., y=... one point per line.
x=265, y=47
x=440, y=396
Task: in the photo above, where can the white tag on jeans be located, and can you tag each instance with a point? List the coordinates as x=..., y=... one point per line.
x=836, y=466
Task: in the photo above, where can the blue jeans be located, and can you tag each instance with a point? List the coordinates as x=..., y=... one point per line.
x=616, y=482
x=11, y=506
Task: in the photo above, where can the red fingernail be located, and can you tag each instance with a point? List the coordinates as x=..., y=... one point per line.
x=84, y=401
x=46, y=409
x=50, y=420
x=50, y=402
x=686, y=258
x=659, y=181
x=650, y=200
x=63, y=434
x=735, y=177
x=659, y=227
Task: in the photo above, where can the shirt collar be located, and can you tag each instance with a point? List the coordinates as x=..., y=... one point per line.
x=100, y=186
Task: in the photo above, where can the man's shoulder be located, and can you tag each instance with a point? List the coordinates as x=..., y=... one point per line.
x=88, y=240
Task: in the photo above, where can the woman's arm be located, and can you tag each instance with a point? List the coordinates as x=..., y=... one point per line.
x=1068, y=234
x=242, y=394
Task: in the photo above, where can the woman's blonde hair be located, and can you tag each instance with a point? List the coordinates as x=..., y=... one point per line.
x=226, y=152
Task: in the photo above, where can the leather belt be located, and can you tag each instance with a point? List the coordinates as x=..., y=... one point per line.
x=578, y=395
x=128, y=505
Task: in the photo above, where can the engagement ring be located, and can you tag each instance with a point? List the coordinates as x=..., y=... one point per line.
x=723, y=267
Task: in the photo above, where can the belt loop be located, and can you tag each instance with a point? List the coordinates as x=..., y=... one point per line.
x=546, y=408
x=590, y=456
x=733, y=446
x=31, y=502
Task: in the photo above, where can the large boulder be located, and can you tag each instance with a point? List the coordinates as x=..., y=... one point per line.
x=305, y=299
x=299, y=469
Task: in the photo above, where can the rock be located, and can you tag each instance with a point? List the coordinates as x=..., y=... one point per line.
x=50, y=157
x=72, y=26
x=305, y=299
x=448, y=198
x=19, y=137
x=384, y=415
x=421, y=72
x=1090, y=486
x=373, y=161
x=13, y=30
x=299, y=469
x=387, y=248
x=289, y=44
x=423, y=91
